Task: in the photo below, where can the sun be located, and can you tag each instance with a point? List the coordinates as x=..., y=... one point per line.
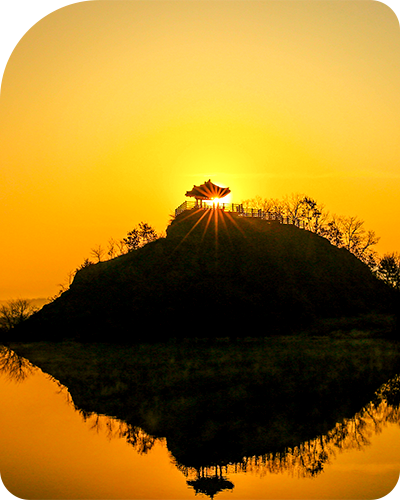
x=218, y=202
x=214, y=202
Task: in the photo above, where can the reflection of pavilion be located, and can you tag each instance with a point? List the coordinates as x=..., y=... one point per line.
x=210, y=485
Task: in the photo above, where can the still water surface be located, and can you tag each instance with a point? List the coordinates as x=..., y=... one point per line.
x=49, y=449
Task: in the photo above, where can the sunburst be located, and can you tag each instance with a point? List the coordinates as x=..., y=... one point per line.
x=209, y=199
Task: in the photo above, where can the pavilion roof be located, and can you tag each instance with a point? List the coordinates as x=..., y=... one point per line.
x=208, y=191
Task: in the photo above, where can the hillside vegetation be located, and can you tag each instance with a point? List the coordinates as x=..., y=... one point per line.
x=213, y=275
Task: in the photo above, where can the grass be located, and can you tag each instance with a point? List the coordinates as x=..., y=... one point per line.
x=248, y=360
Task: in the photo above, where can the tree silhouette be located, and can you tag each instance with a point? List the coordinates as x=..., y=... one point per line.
x=86, y=263
x=132, y=240
x=98, y=252
x=341, y=231
x=350, y=233
x=310, y=213
x=139, y=236
x=15, y=312
x=147, y=233
x=389, y=270
x=112, y=248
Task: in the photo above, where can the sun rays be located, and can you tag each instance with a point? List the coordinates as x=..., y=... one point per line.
x=209, y=222
x=213, y=223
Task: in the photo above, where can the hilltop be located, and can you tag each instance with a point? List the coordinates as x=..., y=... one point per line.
x=215, y=274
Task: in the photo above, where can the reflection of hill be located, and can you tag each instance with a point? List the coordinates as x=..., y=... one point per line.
x=309, y=458
x=245, y=276
x=281, y=405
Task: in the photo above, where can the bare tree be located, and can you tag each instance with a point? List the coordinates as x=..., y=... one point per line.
x=257, y=202
x=293, y=207
x=98, y=252
x=112, y=248
x=301, y=210
x=296, y=208
x=365, y=252
x=356, y=239
x=121, y=247
x=15, y=312
x=350, y=233
x=275, y=208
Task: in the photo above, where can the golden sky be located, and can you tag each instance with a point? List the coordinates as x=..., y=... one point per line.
x=110, y=111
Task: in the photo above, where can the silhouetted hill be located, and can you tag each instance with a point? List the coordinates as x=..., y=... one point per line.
x=214, y=274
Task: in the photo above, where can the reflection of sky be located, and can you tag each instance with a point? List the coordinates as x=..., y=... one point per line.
x=110, y=111
x=53, y=452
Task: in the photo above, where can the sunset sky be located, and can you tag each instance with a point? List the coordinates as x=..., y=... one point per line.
x=111, y=110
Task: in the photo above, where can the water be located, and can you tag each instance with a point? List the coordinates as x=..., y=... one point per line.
x=53, y=449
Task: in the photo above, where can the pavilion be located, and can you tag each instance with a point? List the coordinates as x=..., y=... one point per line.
x=207, y=192
x=210, y=192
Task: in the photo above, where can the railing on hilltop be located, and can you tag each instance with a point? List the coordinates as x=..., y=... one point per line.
x=241, y=211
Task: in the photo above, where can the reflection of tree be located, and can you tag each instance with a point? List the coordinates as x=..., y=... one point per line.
x=276, y=409
x=115, y=428
x=390, y=392
x=309, y=458
x=16, y=367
